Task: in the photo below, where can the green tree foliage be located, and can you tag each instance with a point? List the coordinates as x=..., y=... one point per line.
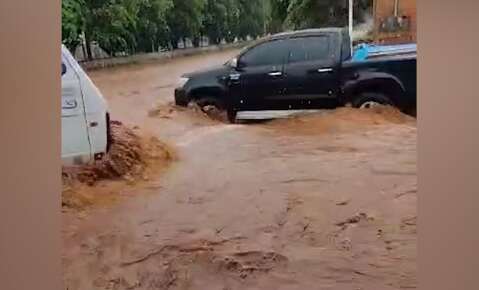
x=114, y=25
x=152, y=27
x=252, y=18
x=72, y=23
x=278, y=15
x=311, y=13
x=126, y=26
x=185, y=19
x=215, y=21
x=233, y=20
x=132, y=26
x=320, y=13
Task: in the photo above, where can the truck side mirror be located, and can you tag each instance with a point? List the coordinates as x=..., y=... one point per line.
x=237, y=64
x=240, y=64
x=64, y=68
x=234, y=63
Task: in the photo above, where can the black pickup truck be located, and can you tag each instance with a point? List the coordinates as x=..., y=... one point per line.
x=307, y=69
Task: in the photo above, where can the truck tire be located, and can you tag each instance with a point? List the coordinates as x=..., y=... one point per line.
x=181, y=103
x=231, y=114
x=369, y=100
x=203, y=103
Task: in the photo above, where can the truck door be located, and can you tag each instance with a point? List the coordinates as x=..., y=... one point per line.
x=261, y=76
x=312, y=72
x=75, y=141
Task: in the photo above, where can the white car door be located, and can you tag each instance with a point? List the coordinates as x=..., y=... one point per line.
x=75, y=140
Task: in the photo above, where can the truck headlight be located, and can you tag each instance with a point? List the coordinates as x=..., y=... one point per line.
x=181, y=82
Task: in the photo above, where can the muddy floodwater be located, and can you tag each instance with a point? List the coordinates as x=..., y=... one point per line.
x=325, y=201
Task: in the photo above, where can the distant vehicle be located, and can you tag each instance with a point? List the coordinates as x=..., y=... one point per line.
x=85, y=117
x=307, y=69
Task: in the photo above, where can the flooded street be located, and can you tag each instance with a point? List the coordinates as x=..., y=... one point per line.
x=133, y=91
x=326, y=201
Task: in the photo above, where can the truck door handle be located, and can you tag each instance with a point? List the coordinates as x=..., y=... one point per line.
x=275, y=73
x=325, y=70
x=235, y=77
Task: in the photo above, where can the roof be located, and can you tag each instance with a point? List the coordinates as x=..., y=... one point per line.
x=311, y=31
x=304, y=32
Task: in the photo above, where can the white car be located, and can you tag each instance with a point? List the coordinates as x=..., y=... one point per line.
x=85, y=117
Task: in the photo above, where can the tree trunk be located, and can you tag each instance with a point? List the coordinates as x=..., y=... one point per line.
x=88, y=46
x=83, y=50
x=214, y=40
x=196, y=41
x=174, y=43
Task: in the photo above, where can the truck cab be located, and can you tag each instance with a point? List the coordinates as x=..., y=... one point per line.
x=307, y=69
x=291, y=71
x=85, y=117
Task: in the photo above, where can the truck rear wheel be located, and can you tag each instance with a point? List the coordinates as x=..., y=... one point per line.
x=370, y=100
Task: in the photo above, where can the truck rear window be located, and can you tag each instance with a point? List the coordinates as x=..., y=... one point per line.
x=309, y=49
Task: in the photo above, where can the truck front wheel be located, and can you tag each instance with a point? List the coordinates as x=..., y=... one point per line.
x=206, y=104
x=215, y=107
x=370, y=100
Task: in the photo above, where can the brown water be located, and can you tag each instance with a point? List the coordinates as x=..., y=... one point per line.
x=309, y=203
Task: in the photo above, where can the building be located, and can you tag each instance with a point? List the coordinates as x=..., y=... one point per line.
x=394, y=21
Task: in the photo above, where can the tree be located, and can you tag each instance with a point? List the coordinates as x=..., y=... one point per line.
x=215, y=20
x=152, y=26
x=252, y=18
x=320, y=13
x=185, y=20
x=278, y=15
x=131, y=26
x=72, y=23
x=311, y=13
x=233, y=20
x=125, y=26
x=113, y=25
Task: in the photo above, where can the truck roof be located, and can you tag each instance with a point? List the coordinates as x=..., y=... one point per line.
x=304, y=32
x=309, y=32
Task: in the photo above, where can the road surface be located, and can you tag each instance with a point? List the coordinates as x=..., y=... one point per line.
x=320, y=202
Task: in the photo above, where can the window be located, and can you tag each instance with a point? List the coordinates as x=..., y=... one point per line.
x=309, y=49
x=346, y=48
x=269, y=53
x=64, y=68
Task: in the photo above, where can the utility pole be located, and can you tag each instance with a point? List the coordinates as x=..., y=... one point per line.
x=396, y=8
x=375, y=20
x=351, y=23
